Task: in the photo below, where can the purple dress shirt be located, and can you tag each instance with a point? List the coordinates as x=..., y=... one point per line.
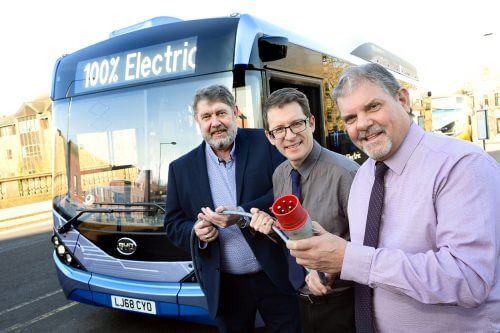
x=437, y=265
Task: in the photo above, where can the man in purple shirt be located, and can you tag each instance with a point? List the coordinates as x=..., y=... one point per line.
x=436, y=264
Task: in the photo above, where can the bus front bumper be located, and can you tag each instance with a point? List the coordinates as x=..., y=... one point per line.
x=184, y=301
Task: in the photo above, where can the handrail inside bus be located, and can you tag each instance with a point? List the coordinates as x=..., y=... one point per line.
x=75, y=222
x=158, y=205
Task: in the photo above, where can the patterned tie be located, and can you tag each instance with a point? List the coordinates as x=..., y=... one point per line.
x=362, y=292
x=296, y=273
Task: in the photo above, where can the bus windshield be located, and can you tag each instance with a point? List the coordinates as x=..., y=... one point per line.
x=120, y=145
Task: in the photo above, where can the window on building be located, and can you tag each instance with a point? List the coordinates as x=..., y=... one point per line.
x=8, y=154
x=28, y=124
x=44, y=123
x=497, y=99
x=7, y=130
x=498, y=125
x=486, y=102
x=30, y=151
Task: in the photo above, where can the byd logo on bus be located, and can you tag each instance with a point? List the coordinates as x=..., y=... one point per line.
x=162, y=60
x=126, y=246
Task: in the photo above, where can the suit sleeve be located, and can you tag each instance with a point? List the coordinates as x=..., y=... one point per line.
x=177, y=225
x=263, y=202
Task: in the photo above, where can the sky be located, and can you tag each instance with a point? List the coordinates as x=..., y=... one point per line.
x=444, y=39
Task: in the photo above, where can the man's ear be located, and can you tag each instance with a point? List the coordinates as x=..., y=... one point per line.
x=404, y=98
x=237, y=111
x=312, y=123
x=270, y=138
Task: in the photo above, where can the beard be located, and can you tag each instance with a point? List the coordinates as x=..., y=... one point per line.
x=377, y=150
x=221, y=143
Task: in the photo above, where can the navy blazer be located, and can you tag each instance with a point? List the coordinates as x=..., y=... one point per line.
x=188, y=190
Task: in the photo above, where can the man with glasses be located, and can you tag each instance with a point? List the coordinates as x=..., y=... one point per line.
x=240, y=271
x=322, y=181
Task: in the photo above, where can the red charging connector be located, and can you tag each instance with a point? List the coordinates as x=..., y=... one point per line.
x=292, y=218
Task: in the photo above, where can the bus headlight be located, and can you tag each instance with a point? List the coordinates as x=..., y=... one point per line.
x=60, y=250
x=64, y=255
x=55, y=241
x=67, y=259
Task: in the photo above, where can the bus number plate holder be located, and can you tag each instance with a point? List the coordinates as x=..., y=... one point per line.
x=133, y=304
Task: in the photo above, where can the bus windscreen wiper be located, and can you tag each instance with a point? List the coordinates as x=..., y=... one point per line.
x=75, y=222
x=134, y=204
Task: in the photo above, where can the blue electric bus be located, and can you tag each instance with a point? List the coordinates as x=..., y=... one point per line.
x=122, y=112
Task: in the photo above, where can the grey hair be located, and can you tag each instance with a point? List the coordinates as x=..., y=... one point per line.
x=285, y=96
x=352, y=77
x=214, y=93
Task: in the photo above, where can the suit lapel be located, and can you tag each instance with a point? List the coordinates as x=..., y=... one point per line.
x=201, y=177
x=241, y=152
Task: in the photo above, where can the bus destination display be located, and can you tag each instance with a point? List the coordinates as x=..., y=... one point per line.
x=164, y=60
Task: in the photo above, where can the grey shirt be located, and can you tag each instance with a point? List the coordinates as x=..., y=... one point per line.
x=326, y=179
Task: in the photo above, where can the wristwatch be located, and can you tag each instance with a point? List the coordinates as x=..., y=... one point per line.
x=242, y=222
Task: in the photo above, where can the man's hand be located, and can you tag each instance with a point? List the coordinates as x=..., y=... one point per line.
x=315, y=286
x=220, y=220
x=205, y=231
x=261, y=221
x=324, y=253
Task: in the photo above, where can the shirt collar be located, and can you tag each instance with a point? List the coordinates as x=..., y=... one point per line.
x=209, y=152
x=308, y=164
x=398, y=161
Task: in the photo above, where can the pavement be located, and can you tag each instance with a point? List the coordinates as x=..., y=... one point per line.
x=15, y=217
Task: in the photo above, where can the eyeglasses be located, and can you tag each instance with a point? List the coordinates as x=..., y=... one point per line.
x=295, y=127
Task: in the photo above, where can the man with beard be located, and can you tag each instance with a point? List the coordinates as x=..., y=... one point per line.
x=240, y=271
x=425, y=241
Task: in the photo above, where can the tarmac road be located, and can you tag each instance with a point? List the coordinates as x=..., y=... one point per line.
x=32, y=300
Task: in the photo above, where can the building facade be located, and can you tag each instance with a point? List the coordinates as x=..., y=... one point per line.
x=26, y=153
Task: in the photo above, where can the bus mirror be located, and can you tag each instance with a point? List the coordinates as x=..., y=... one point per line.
x=272, y=48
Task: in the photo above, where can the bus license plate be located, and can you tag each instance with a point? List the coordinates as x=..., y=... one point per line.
x=133, y=304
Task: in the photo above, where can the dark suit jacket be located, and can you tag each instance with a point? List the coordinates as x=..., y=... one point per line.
x=188, y=190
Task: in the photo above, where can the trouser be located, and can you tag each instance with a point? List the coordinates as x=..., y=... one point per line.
x=331, y=313
x=242, y=295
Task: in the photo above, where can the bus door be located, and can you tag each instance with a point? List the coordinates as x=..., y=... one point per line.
x=311, y=87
